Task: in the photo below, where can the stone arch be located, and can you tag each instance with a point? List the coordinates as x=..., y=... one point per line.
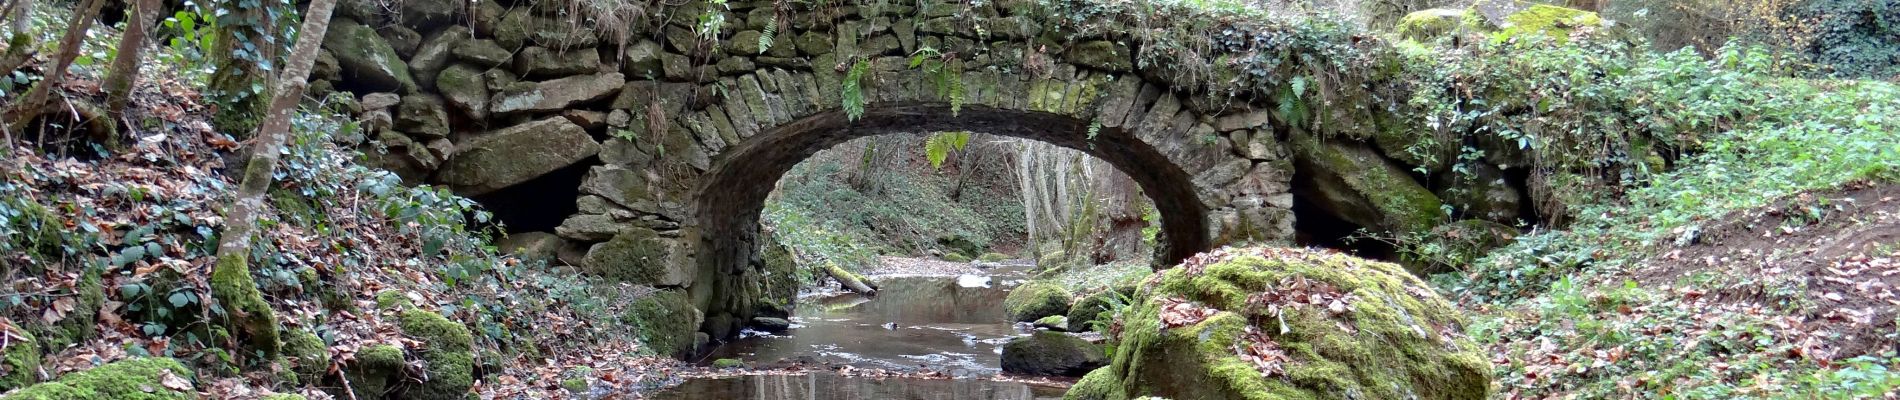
x=1208, y=190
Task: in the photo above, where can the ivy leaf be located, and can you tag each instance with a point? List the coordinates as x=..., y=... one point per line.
x=179, y=299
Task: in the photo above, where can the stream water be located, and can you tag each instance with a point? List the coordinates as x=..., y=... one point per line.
x=951, y=325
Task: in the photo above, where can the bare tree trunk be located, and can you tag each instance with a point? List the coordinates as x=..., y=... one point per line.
x=125, y=68
x=35, y=100
x=231, y=281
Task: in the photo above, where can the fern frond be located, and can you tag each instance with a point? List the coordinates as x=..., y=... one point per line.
x=771, y=30
x=852, y=96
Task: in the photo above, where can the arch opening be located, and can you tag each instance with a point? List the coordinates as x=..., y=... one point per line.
x=732, y=194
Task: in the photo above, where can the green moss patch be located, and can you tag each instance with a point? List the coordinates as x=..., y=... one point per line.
x=448, y=352
x=1265, y=323
x=1034, y=300
x=133, y=379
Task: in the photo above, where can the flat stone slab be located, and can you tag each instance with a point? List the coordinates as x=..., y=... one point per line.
x=516, y=154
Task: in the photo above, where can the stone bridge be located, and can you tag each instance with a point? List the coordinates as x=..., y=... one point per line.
x=655, y=146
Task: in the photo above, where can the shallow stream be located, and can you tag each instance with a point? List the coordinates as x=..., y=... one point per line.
x=948, y=325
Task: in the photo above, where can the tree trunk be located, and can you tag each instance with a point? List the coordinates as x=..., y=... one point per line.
x=231, y=281
x=240, y=108
x=125, y=67
x=849, y=280
x=35, y=100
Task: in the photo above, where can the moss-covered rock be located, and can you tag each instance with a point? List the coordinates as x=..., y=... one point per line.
x=956, y=257
x=1052, y=354
x=1423, y=25
x=1267, y=323
x=19, y=361
x=666, y=321
x=1550, y=20
x=1085, y=314
x=781, y=278
x=1056, y=323
x=310, y=358
x=131, y=379
x=1100, y=384
x=727, y=363
x=1482, y=191
x=640, y=256
x=375, y=372
x=1034, y=300
x=991, y=257
x=1354, y=182
x=448, y=351
x=366, y=59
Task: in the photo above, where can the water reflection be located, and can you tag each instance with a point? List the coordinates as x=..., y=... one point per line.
x=835, y=387
x=951, y=324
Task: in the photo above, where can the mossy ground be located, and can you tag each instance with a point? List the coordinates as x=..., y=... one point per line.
x=151, y=378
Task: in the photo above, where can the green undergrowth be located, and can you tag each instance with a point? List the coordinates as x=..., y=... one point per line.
x=835, y=208
x=1558, y=306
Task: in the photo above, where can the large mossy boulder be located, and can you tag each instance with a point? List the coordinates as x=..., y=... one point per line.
x=1052, y=354
x=447, y=352
x=1101, y=384
x=1033, y=300
x=132, y=379
x=1272, y=323
x=309, y=357
x=1429, y=24
x=666, y=321
x=1352, y=181
x=366, y=59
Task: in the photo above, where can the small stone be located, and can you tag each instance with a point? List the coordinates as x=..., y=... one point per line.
x=378, y=101
x=401, y=39
x=423, y=114
x=541, y=63
x=484, y=53
x=771, y=325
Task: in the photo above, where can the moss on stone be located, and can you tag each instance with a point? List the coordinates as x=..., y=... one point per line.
x=1086, y=313
x=1053, y=354
x=1100, y=384
x=992, y=257
x=1365, y=189
x=1423, y=25
x=1550, y=20
x=956, y=257
x=81, y=324
x=727, y=363
x=392, y=300
x=376, y=371
x=131, y=379
x=448, y=351
x=1034, y=300
x=311, y=356
x=1394, y=338
x=664, y=321
x=20, y=361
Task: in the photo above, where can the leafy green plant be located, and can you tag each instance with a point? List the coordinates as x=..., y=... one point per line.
x=939, y=146
x=852, y=94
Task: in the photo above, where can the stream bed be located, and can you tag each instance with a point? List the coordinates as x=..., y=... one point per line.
x=943, y=325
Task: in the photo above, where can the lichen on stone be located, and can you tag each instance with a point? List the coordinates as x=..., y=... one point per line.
x=665, y=321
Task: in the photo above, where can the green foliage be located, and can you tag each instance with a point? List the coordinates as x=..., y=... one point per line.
x=939, y=146
x=852, y=95
x=766, y=37
x=842, y=207
x=945, y=74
